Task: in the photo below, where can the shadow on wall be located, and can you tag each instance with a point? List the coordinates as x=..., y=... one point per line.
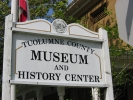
x=129, y=18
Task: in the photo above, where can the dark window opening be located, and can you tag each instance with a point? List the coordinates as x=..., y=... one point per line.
x=99, y=13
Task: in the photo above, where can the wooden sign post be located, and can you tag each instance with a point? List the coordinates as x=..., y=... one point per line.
x=38, y=52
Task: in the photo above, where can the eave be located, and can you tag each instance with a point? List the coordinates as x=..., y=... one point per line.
x=79, y=7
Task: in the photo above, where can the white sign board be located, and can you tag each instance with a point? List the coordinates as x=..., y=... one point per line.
x=124, y=15
x=41, y=58
x=63, y=59
x=38, y=52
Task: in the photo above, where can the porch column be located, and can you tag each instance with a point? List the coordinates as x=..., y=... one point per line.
x=61, y=92
x=23, y=96
x=95, y=94
x=39, y=94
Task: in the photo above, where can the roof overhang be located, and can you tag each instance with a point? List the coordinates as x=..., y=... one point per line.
x=79, y=7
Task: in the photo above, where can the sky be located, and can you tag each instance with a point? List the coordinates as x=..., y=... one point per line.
x=69, y=1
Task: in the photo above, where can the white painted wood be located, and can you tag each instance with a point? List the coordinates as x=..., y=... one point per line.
x=45, y=26
x=14, y=10
x=13, y=92
x=6, y=87
x=107, y=67
x=76, y=29
x=95, y=94
x=35, y=25
x=59, y=84
x=23, y=54
x=98, y=61
x=56, y=35
x=25, y=61
x=61, y=92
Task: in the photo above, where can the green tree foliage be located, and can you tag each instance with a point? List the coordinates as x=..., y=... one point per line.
x=40, y=8
x=4, y=10
x=60, y=11
x=121, y=60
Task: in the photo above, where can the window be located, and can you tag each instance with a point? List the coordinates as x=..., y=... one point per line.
x=99, y=13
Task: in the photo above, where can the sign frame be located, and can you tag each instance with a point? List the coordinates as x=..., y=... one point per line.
x=61, y=83
x=16, y=27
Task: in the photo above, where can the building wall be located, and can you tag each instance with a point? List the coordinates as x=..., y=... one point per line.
x=109, y=19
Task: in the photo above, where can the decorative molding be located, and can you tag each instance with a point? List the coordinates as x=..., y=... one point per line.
x=81, y=30
x=38, y=25
x=59, y=25
x=100, y=65
x=16, y=58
